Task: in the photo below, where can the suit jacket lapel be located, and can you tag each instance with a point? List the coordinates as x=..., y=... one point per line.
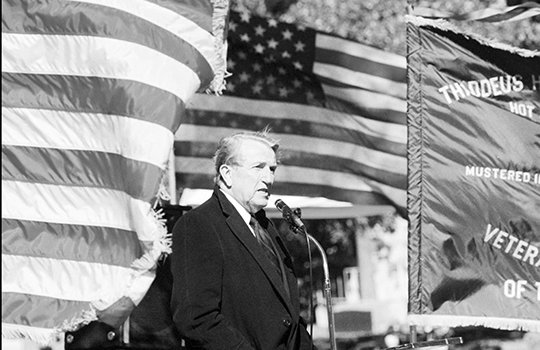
x=287, y=261
x=243, y=233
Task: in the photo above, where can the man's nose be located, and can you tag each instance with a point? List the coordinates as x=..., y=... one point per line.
x=268, y=176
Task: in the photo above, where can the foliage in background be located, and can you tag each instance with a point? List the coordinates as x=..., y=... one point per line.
x=382, y=23
x=338, y=238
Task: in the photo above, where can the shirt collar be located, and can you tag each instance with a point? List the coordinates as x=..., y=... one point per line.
x=246, y=216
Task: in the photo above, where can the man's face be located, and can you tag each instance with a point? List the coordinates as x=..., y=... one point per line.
x=252, y=175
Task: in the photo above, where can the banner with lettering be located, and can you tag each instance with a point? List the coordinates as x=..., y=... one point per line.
x=473, y=181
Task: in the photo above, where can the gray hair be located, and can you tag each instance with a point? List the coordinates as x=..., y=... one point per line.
x=226, y=149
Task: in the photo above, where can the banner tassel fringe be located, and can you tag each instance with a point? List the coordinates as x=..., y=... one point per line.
x=449, y=27
x=461, y=321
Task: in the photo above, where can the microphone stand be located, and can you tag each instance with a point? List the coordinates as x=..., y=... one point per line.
x=297, y=227
x=327, y=292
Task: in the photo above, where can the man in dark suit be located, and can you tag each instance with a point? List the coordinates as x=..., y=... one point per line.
x=233, y=280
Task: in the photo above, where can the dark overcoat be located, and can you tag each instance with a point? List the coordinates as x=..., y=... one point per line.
x=226, y=293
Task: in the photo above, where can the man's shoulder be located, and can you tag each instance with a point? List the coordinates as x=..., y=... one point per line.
x=211, y=205
x=204, y=212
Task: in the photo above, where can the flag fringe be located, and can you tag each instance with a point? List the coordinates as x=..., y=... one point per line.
x=142, y=276
x=41, y=336
x=443, y=24
x=219, y=20
x=142, y=269
x=163, y=194
x=84, y=318
x=147, y=262
x=162, y=244
x=461, y=321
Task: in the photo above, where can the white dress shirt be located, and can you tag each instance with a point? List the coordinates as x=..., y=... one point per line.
x=246, y=216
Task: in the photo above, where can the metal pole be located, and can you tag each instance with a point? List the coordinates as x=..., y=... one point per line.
x=171, y=177
x=413, y=333
x=327, y=293
x=429, y=343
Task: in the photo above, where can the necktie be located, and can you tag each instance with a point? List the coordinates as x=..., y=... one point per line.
x=266, y=242
x=270, y=250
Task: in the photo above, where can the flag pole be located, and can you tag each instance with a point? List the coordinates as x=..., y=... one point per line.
x=412, y=328
x=428, y=343
x=410, y=7
x=171, y=174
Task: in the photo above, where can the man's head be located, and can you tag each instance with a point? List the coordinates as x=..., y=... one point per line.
x=245, y=166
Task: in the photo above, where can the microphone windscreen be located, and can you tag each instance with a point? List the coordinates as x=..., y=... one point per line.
x=284, y=208
x=289, y=215
x=280, y=204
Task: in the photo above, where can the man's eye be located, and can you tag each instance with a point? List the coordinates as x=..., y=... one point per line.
x=263, y=166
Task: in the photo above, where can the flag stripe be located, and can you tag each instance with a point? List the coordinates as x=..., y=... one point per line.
x=76, y=280
x=337, y=193
x=367, y=99
x=197, y=11
x=141, y=141
x=23, y=309
x=382, y=113
x=373, y=69
x=338, y=44
x=282, y=110
x=92, y=94
x=302, y=159
x=360, y=79
x=370, y=157
x=200, y=180
x=168, y=19
x=49, y=203
x=344, y=165
x=55, y=20
x=188, y=31
x=294, y=174
x=334, y=132
x=94, y=56
x=72, y=242
x=80, y=168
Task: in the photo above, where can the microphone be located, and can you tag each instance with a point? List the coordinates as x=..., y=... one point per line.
x=289, y=215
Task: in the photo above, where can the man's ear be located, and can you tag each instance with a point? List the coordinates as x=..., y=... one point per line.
x=225, y=175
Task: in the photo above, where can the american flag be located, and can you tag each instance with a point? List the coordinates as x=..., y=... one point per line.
x=92, y=93
x=338, y=106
